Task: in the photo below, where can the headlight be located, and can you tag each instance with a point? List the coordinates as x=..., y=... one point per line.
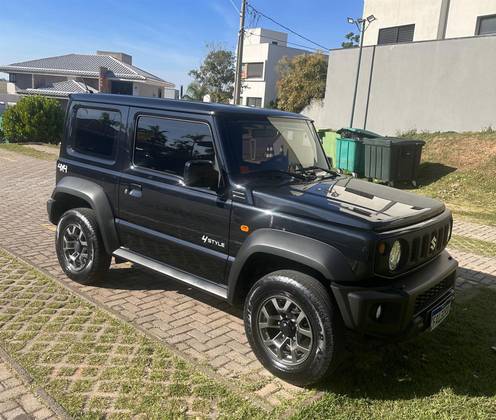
x=394, y=256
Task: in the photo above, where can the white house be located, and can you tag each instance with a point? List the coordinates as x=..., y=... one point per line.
x=262, y=50
x=425, y=20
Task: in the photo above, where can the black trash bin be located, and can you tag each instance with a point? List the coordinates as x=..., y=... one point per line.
x=392, y=160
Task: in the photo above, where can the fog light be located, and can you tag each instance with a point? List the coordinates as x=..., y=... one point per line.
x=378, y=312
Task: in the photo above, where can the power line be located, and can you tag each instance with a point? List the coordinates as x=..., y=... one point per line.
x=234, y=5
x=285, y=27
x=281, y=40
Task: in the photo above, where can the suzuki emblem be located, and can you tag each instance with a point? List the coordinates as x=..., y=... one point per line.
x=433, y=243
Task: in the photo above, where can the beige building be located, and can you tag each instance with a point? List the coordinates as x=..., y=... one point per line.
x=425, y=20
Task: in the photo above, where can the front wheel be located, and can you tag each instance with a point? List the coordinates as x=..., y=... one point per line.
x=80, y=249
x=293, y=327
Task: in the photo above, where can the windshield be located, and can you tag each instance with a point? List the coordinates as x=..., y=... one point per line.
x=262, y=144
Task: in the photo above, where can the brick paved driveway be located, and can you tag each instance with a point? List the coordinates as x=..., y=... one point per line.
x=16, y=400
x=200, y=327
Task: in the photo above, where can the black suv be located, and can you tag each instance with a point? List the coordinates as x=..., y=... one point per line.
x=241, y=203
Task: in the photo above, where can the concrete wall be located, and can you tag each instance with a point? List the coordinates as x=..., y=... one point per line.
x=425, y=14
x=434, y=86
x=463, y=14
x=433, y=19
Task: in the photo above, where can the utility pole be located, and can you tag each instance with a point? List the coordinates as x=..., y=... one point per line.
x=239, y=54
x=362, y=25
x=362, y=33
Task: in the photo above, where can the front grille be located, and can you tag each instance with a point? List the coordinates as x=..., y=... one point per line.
x=428, y=244
x=429, y=296
x=419, y=247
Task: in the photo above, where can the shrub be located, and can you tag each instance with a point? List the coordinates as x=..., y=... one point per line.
x=34, y=119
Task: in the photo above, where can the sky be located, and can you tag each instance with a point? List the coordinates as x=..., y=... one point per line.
x=165, y=37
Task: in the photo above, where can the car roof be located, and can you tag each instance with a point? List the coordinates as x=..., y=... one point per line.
x=180, y=105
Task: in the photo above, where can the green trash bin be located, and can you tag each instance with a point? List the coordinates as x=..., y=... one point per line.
x=329, y=143
x=392, y=160
x=349, y=156
x=349, y=149
x=357, y=133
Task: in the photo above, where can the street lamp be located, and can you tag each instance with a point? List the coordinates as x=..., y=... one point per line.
x=362, y=25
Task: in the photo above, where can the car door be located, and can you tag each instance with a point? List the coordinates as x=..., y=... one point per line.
x=159, y=216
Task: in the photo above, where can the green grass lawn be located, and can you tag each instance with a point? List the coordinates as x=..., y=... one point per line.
x=460, y=169
x=28, y=151
x=447, y=374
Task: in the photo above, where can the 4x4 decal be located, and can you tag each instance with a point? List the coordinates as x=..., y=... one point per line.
x=62, y=168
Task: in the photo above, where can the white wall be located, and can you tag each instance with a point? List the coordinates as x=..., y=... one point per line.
x=445, y=85
x=254, y=53
x=424, y=14
x=428, y=17
x=462, y=19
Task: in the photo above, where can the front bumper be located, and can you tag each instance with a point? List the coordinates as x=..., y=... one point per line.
x=405, y=304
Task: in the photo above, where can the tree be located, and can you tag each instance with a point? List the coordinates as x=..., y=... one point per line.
x=216, y=74
x=353, y=40
x=196, y=91
x=302, y=78
x=34, y=118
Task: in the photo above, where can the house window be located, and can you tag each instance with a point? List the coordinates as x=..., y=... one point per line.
x=121, y=88
x=12, y=77
x=396, y=34
x=250, y=101
x=165, y=145
x=96, y=132
x=252, y=71
x=486, y=25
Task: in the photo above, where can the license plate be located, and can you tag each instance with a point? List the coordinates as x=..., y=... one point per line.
x=439, y=314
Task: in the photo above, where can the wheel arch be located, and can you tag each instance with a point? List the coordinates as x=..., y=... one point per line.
x=268, y=250
x=73, y=192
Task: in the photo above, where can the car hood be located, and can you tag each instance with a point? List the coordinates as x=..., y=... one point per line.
x=348, y=201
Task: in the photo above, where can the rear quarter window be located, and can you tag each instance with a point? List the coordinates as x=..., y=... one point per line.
x=96, y=131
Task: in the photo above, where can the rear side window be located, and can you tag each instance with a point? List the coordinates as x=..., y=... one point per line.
x=96, y=132
x=166, y=145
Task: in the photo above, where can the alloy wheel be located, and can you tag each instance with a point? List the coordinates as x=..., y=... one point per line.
x=75, y=247
x=285, y=330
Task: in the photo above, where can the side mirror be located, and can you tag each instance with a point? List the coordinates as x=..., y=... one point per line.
x=201, y=173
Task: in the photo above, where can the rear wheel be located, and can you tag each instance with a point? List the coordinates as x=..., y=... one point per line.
x=293, y=327
x=80, y=249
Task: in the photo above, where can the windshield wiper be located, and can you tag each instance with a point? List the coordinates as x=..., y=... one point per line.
x=280, y=171
x=313, y=168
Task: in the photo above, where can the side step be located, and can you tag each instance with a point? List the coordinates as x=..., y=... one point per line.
x=169, y=271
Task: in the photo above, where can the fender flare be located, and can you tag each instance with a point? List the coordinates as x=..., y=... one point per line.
x=322, y=257
x=96, y=197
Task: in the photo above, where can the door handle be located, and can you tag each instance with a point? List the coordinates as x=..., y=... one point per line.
x=133, y=190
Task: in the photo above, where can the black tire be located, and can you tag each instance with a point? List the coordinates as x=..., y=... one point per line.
x=92, y=268
x=327, y=346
